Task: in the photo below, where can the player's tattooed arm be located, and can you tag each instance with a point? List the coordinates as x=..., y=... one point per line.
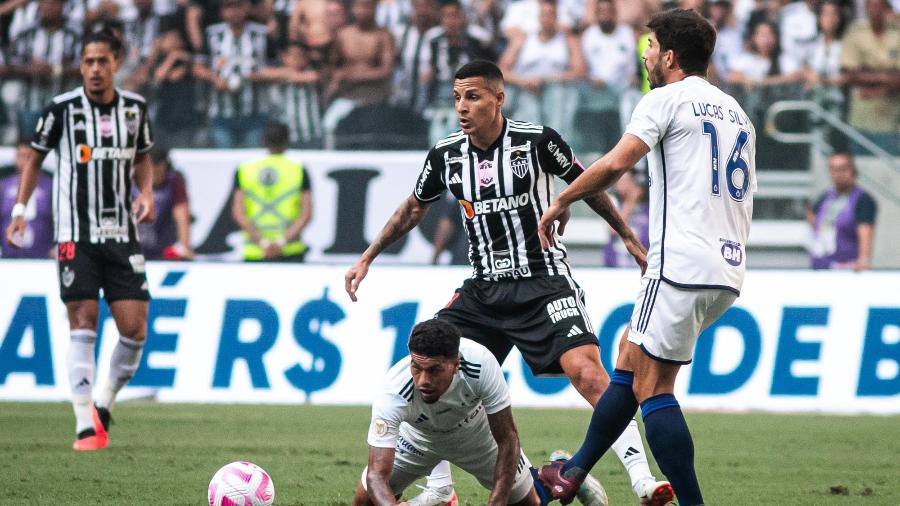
x=404, y=219
x=603, y=205
x=378, y=476
x=503, y=428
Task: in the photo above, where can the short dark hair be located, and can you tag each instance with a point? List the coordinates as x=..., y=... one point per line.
x=688, y=34
x=480, y=68
x=434, y=338
x=106, y=36
x=276, y=136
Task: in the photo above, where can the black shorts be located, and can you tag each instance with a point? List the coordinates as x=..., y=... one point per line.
x=117, y=268
x=542, y=317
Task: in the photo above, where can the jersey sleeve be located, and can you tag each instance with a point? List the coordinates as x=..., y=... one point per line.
x=387, y=414
x=866, y=209
x=305, y=186
x=49, y=129
x=145, y=133
x=556, y=156
x=430, y=185
x=494, y=391
x=650, y=118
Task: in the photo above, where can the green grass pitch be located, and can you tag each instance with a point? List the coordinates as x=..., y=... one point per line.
x=166, y=454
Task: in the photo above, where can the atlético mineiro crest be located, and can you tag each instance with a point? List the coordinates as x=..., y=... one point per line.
x=519, y=164
x=485, y=172
x=68, y=277
x=131, y=121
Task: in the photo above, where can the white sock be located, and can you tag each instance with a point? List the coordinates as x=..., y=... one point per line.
x=630, y=450
x=80, y=362
x=440, y=475
x=124, y=362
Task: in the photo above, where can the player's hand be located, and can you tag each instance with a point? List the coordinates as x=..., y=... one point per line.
x=143, y=208
x=354, y=277
x=272, y=251
x=636, y=249
x=15, y=231
x=556, y=212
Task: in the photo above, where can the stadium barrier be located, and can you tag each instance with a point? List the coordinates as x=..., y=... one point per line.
x=794, y=342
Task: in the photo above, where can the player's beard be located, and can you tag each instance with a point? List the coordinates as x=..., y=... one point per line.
x=655, y=75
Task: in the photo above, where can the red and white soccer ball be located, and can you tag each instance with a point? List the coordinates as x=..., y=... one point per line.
x=241, y=484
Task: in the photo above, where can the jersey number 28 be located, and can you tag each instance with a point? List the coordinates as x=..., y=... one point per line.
x=737, y=173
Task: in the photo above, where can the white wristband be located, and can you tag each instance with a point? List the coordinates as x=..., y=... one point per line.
x=18, y=211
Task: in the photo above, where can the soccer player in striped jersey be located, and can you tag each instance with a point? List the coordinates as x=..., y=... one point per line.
x=501, y=172
x=701, y=152
x=101, y=136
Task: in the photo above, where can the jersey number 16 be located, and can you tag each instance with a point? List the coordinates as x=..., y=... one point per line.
x=737, y=174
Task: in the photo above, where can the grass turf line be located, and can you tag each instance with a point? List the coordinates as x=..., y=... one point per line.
x=166, y=454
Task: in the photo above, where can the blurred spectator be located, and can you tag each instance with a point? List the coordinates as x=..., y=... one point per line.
x=729, y=40
x=139, y=39
x=363, y=63
x=764, y=64
x=176, y=119
x=631, y=190
x=798, y=24
x=453, y=44
x=393, y=15
x=296, y=85
x=449, y=235
x=521, y=16
x=272, y=202
x=236, y=50
x=25, y=15
x=609, y=50
x=823, y=67
x=309, y=24
x=46, y=57
x=842, y=220
x=37, y=240
x=870, y=61
x=486, y=14
x=539, y=66
x=168, y=237
x=411, y=41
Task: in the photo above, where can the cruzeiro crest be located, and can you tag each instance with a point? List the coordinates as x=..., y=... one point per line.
x=518, y=162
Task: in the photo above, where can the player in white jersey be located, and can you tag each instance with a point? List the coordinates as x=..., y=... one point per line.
x=447, y=400
x=700, y=148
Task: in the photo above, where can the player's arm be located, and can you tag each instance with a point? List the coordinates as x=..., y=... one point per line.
x=503, y=428
x=600, y=175
x=143, y=207
x=429, y=187
x=603, y=205
x=27, y=182
x=378, y=477
x=404, y=219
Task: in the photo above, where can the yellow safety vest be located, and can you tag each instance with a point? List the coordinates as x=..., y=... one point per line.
x=272, y=199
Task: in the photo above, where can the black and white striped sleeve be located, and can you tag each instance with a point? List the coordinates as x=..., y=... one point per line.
x=49, y=128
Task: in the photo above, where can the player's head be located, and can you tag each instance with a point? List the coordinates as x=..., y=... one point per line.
x=100, y=60
x=276, y=137
x=478, y=95
x=434, y=357
x=842, y=170
x=681, y=43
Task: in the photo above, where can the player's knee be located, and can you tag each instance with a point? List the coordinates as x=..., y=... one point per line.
x=587, y=376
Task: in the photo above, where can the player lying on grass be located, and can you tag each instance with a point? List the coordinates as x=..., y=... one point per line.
x=447, y=400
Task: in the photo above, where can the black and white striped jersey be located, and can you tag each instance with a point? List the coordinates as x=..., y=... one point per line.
x=234, y=59
x=300, y=108
x=59, y=48
x=503, y=192
x=95, y=146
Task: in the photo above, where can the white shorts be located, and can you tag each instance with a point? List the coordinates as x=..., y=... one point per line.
x=472, y=449
x=667, y=320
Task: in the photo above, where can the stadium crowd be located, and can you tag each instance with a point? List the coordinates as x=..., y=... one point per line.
x=376, y=74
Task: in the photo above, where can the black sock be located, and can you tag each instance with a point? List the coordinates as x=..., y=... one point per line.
x=670, y=440
x=612, y=413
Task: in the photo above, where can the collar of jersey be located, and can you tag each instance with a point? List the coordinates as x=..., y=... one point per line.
x=494, y=145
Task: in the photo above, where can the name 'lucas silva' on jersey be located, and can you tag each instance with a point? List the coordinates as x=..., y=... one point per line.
x=716, y=112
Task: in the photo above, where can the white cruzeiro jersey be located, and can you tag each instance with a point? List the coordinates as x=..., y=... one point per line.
x=478, y=389
x=702, y=177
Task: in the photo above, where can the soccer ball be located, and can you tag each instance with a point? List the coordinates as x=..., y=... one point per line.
x=241, y=484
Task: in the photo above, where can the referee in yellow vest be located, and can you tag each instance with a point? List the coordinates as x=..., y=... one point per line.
x=272, y=202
